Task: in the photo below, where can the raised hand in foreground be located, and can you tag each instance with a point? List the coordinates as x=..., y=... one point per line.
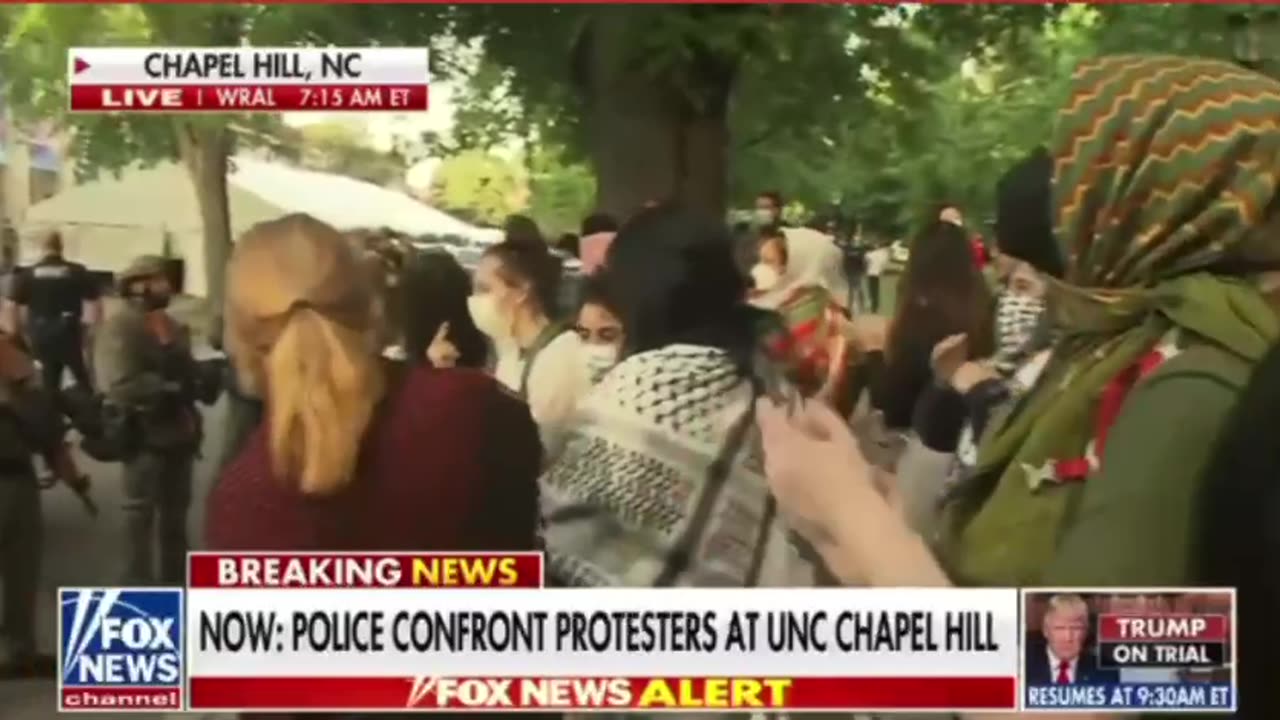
x=833, y=497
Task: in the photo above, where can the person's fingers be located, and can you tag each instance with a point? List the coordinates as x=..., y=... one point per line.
x=820, y=420
x=948, y=344
x=446, y=356
x=779, y=435
x=442, y=332
x=951, y=341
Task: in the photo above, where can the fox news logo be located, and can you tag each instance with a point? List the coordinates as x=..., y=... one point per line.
x=120, y=649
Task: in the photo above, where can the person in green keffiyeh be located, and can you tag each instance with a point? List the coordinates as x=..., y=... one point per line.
x=1165, y=204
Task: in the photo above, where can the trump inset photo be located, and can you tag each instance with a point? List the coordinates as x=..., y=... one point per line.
x=1060, y=647
x=1128, y=649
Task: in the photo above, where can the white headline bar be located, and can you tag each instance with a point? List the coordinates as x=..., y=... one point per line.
x=598, y=632
x=246, y=66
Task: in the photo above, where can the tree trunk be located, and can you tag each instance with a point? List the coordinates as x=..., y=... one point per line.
x=651, y=141
x=205, y=150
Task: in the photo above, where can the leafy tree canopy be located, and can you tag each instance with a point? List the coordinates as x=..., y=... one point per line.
x=341, y=147
x=34, y=57
x=479, y=187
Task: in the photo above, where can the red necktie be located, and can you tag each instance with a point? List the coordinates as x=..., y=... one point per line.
x=1064, y=673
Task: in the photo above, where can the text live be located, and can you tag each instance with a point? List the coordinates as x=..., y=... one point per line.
x=247, y=98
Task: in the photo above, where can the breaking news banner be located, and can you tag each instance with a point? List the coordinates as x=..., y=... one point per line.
x=432, y=632
x=246, y=79
x=1137, y=650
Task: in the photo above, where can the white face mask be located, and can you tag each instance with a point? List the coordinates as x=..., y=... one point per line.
x=765, y=277
x=599, y=359
x=764, y=217
x=488, y=318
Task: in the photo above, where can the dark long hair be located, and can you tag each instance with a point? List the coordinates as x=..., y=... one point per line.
x=525, y=259
x=1239, y=535
x=942, y=292
x=673, y=279
x=434, y=290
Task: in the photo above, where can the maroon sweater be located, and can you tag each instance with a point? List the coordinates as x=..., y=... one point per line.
x=450, y=462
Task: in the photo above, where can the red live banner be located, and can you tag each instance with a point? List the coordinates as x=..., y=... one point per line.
x=245, y=98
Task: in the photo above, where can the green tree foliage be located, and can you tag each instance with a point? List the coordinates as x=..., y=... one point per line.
x=645, y=95
x=341, y=147
x=882, y=110
x=479, y=187
x=699, y=102
x=35, y=49
x=949, y=134
x=561, y=192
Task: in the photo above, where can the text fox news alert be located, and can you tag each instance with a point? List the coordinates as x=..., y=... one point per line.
x=430, y=632
x=246, y=79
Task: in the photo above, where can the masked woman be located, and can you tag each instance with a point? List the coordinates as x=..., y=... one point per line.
x=800, y=276
x=1096, y=478
x=514, y=302
x=599, y=327
x=955, y=409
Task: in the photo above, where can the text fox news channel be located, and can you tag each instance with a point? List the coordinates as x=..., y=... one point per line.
x=341, y=632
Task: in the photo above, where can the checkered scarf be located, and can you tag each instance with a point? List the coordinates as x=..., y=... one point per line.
x=661, y=482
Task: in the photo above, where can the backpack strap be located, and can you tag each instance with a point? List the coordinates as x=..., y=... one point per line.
x=717, y=476
x=764, y=381
x=545, y=338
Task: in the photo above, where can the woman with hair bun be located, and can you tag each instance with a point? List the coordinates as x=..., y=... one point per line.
x=513, y=302
x=357, y=452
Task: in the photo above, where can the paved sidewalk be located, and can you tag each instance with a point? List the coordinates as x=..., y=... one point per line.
x=84, y=551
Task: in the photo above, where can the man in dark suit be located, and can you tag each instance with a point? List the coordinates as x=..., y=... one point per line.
x=1059, y=656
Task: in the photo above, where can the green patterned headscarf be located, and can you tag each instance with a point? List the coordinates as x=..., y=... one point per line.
x=1165, y=176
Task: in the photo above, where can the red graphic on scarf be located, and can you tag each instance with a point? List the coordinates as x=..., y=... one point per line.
x=1113, y=397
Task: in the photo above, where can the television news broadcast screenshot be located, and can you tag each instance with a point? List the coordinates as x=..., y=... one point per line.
x=564, y=359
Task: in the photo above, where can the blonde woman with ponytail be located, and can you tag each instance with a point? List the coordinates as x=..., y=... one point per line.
x=355, y=451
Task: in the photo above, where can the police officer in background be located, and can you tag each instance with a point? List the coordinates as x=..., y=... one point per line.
x=147, y=375
x=30, y=424
x=56, y=299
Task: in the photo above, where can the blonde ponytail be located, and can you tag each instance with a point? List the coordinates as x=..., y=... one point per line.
x=323, y=385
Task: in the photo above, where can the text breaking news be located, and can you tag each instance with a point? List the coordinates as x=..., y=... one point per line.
x=1132, y=650
x=360, y=632
x=246, y=79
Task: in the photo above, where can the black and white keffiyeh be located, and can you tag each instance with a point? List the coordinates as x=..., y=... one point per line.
x=1019, y=330
x=661, y=482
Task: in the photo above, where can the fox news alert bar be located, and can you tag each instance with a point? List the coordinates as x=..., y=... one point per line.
x=348, y=633
x=433, y=632
x=246, y=79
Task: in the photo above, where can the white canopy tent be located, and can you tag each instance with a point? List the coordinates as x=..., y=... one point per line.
x=111, y=220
